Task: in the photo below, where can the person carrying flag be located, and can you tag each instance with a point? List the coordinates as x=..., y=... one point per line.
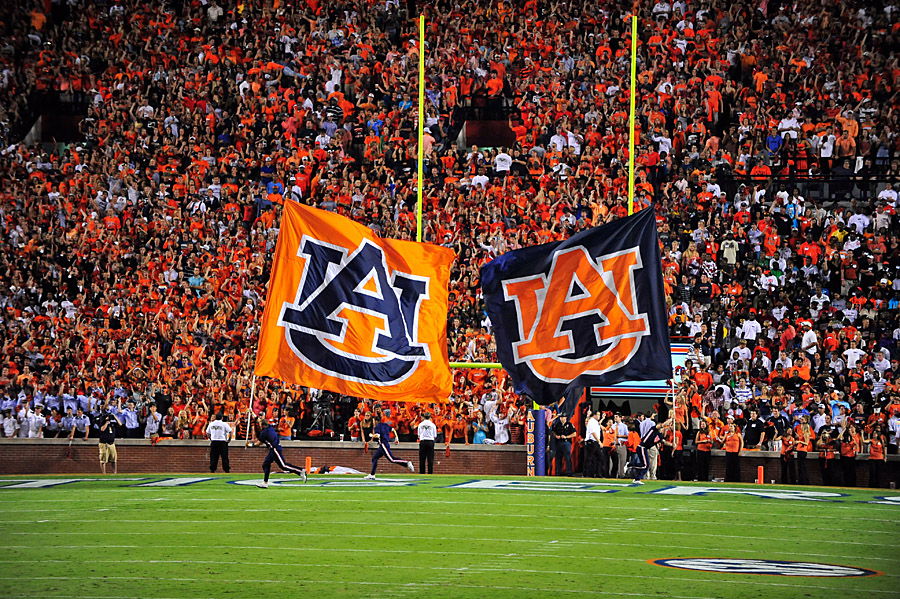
x=381, y=434
x=650, y=438
x=269, y=437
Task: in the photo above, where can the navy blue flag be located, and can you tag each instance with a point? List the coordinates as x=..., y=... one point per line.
x=590, y=310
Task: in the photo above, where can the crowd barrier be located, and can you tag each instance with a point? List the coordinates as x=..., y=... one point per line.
x=139, y=456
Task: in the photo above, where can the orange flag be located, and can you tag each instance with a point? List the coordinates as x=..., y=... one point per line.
x=355, y=314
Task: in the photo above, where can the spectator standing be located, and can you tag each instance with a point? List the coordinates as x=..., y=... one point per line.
x=805, y=438
x=36, y=423
x=169, y=424
x=593, y=439
x=850, y=446
x=621, y=449
x=609, y=459
x=152, y=423
x=753, y=431
x=9, y=425
x=479, y=429
x=131, y=421
x=427, y=434
x=733, y=444
x=704, y=442
x=67, y=424
x=81, y=425
x=877, y=455
x=501, y=426
x=52, y=428
x=893, y=428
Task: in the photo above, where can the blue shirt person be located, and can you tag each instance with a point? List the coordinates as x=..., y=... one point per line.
x=381, y=434
x=269, y=437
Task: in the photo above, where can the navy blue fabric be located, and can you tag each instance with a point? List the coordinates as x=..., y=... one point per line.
x=652, y=360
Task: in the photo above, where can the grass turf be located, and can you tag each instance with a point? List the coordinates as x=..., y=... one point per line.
x=426, y=537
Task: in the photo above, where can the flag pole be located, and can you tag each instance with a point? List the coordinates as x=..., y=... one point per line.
x=631, y=117
x=250, y=408
x=420, y=185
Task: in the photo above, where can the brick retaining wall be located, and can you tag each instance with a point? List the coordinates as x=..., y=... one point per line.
x=48, y=456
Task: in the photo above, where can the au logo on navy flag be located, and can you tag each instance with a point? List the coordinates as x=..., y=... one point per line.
x=589, y=310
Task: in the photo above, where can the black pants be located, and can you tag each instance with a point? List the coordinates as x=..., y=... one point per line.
x=219, y=449
x=591, y=459
x=426, y=456
x=848, y=465
x=564, y=456
x=827, y=469
x=802, y=474
x=133, y=433
x=609, y=462
x=875, y=473
x=788, y=476
x=732, y=467
x=703, y=466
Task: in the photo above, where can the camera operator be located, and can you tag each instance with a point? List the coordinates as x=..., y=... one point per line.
x=107, y=423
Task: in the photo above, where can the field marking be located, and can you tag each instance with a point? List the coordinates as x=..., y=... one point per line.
x=593, y=575
x=853, y=504
x=415, y=524
x=428, y=501
x=641, y=491
x=269, y=548
x=480, y=568
x=418, y=513
x=650, y=546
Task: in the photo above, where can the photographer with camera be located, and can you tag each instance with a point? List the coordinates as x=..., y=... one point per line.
x=107, y=423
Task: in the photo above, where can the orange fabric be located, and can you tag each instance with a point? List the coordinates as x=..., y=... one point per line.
x=285, y=425
x=429, y=379
x=704, y=441
x=634, y=439
x=733, y=442
x=876, y=450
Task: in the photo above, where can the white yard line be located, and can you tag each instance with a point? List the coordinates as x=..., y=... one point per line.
x=580, y=554
x=408, y=524
x=655, y=510
x=418, y=513
x=319, y=581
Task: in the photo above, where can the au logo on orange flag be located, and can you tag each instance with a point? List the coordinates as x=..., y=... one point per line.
x=352, y=313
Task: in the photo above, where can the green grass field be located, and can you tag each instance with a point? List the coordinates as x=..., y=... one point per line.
x=441, y=536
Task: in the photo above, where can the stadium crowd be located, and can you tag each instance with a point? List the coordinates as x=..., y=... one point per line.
x=134, y=264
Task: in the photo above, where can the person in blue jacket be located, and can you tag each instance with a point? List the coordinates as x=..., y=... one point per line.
x=269, y=437
x=381, y=434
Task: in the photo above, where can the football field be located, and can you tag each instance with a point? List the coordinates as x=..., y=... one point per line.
x=439, y=536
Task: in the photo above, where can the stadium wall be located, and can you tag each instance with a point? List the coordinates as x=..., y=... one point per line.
x=48, y=456
x=137, y=456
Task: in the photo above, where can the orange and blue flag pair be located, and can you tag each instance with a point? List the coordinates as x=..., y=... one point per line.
x=356, y=314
